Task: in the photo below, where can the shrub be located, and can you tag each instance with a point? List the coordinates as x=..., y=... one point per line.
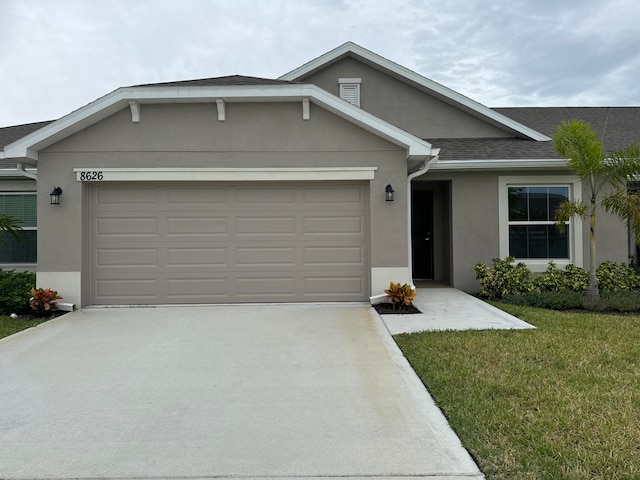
x=563, y=300
x=14, y=291
x=43, y=300
x=400, y=295
x=553, y=279
x=503, y=278
x=616, y=276
x=621, y=301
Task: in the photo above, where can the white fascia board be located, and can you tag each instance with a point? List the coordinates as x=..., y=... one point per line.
x=416, y=148
x=27, y=147
x=527, y=164
x=451, y=96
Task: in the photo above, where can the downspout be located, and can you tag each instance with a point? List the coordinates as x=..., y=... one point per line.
x=424, y=167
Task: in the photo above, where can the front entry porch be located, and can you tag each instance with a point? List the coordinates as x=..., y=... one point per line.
x=431, y=233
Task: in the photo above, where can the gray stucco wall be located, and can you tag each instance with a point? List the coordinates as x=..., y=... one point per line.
x=403, y=105
x=475, y=226
x=189, y=135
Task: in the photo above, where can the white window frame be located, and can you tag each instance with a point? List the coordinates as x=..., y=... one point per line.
x=350, y=84
x=21, y=264
x=575, y=224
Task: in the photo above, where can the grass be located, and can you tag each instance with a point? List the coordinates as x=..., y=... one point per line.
x=9, y=326
x=559, y=402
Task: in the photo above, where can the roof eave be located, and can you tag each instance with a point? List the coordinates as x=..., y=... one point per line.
x=501, y=164
x=26, y=149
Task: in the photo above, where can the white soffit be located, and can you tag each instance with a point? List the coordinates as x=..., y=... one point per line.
x=440, y=91
x=28, y=146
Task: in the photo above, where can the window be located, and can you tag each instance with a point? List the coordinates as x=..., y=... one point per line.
x=350, y=90
x=532, y=233
x=527, y=226
x=23, y=206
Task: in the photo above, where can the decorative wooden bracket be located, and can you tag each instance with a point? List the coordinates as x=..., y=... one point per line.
x=221, y=110
x=135, y=111
x=305, y=108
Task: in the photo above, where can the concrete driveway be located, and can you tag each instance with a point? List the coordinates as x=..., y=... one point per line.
x=200, y=392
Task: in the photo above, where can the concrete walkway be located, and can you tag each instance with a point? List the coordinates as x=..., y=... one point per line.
x=278, y=391
x=451, y=309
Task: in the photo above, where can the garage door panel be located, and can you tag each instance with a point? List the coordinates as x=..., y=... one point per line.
x=127, y=195
x=200, y=290
x=265, y=256
x=198, y=226
x=327, y=196
x=127, y=257
x=265, y=288
x=199, y=198
x=333, y=287
x=251, y=197
x=229, y=243
x=127, y=226
x=265, y=226
x=343, y=225
x=127, y=290
x=333, y=256
x=178, y=257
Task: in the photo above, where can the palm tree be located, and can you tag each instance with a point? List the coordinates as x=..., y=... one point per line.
x=605, y=178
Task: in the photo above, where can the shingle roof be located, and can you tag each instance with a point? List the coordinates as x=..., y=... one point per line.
x=11, y=134
x=622, y=130
x=231, y=80
x=622, y=123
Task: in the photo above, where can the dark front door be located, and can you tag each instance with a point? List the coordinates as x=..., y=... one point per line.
x=422, y=233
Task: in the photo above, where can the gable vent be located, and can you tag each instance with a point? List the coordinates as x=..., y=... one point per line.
x=350, y=90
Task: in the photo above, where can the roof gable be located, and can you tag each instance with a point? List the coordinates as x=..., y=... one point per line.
x=424, y=84
x=26, y=149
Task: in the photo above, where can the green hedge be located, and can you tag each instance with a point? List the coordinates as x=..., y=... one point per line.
x=14, y=291
x=505, y=277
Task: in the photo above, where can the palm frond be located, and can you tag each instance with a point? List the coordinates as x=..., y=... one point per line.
x=622, y=165
x=567, y=210
x=10, y=224
x=577, y=142
x=626, y=205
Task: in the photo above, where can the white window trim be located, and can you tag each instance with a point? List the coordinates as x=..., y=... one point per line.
x=25, y=265
x=575, y=224
x=350, y=83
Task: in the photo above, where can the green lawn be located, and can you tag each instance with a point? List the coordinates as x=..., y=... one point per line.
x=559, y=402
x=9, y=326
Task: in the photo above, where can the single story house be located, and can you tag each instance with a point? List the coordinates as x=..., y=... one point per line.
x=322, y=185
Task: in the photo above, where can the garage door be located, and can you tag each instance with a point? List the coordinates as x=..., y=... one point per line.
x=228, y=243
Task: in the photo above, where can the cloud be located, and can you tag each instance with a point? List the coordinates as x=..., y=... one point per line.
x=58, y=56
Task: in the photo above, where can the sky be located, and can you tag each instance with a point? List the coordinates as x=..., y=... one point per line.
x=58, y=55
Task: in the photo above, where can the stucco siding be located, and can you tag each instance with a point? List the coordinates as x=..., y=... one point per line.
x=254, y=135
x=402, y=104
x=475, y=229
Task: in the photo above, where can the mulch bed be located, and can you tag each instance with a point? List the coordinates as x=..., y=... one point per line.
x=389, y=309
x=49, y=316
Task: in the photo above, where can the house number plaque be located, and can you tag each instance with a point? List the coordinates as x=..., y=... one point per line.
x=91, y=176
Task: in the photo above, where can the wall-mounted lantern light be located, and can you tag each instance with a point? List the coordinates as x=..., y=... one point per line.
x=55, y=196
x=388, y=193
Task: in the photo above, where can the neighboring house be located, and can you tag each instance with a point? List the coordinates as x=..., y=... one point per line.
x=241, y=189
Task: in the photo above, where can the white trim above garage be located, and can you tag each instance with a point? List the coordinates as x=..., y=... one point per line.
x=97, y=175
